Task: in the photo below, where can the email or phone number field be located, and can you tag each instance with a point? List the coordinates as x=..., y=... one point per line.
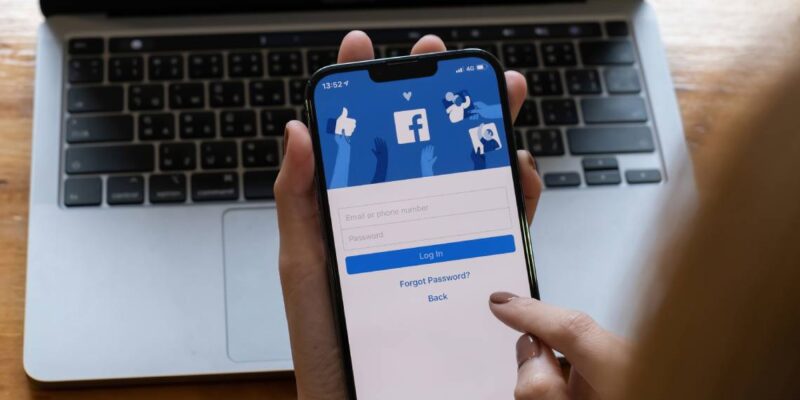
x=425, y=218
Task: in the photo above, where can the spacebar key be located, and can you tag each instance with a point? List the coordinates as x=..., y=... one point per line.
x=99, y=159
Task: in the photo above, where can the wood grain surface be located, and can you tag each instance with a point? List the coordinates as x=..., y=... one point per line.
x=722, y=53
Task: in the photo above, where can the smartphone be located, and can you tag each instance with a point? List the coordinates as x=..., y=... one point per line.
x=424, y=218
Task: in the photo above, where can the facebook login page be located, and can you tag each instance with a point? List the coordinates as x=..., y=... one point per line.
x=425, y=227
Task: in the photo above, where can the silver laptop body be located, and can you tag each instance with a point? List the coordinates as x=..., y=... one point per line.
x=160, y=291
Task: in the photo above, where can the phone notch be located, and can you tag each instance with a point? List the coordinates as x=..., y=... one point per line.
x=403, y=68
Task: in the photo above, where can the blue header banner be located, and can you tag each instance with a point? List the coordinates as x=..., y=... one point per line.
x=373, y=132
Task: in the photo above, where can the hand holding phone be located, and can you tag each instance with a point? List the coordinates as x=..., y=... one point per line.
x=315, y=350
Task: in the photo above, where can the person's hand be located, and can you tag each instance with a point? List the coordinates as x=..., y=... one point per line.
x=598, y=357
x=303, y=270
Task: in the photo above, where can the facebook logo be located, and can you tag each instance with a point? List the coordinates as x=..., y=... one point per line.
x=411, y=126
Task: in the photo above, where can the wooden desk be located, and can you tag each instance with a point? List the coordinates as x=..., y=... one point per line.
x=720, y=52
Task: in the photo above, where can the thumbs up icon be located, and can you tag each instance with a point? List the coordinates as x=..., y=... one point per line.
x=344, y=124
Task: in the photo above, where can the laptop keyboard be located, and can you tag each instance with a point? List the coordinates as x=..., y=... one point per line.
x=199, y=118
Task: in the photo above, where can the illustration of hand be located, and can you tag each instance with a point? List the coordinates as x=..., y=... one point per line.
x=341, y=167
x=426, y=160
x=478, y=160
x=344, y=124
x=381, y=153
x=487, y=111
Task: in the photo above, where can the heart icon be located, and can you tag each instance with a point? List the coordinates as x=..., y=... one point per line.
x=407, y=95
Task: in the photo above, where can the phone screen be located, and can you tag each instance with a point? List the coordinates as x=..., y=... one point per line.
x=426, y=223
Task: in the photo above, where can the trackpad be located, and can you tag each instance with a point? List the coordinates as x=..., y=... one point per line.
x=256, y=321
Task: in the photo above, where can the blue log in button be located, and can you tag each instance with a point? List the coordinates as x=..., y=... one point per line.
x=429, y=254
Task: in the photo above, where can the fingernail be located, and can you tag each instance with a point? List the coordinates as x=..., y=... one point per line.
x=527, y=348
x=285, y=137
x=501, y=297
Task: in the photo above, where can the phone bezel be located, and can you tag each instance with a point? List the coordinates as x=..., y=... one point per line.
x=321, y=188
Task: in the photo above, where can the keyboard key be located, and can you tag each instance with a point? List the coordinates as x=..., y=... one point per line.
x=622, y=80
x=518, y=55
x=617, y=28
x=145, y=97
x=560, y=54
x=109, y=128
x=125, y=190
x=614, y=109
x=605, y=177
x=186, y=95
x=607, y=52
x=528, y=114
x=584, y=81
x=518, y=138
x=95, y=99
x=568, y=30
x=273, y=122
x=245, y=65
x=285, y=63
x=545, y=83
x=125, y=69
x=237, y=123
x=205, y=66
x=177, y=156
x=156, y=126
x=610, y=140
x=267, y=93
x=215, y=186
x=167, y=67
x=559, y=112
x=317, y=59
x=635, y=176
x=562, y=179
x=194, y=125
x=297, y=91
x=99, y=159
x=226, y=94
x=258, y=184
x=260, y=153
x=86, y=46
x=85, y=70
x=83, y=192
x=545, y=142
x=217, y=155
x=595, y=164
x=167, y=188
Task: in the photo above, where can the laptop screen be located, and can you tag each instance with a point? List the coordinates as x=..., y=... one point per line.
x=139, y=7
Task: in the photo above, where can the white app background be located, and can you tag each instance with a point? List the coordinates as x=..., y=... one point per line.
x=437, y=340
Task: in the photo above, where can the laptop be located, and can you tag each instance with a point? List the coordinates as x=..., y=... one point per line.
x=157, y=134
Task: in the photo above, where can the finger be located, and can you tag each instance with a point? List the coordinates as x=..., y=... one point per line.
x=356, y=46
x=517, y=89
x=593, y=351
x=428, y=44
x=531, y=182
x=302, y=268
x=539, y=376
x=296, y=200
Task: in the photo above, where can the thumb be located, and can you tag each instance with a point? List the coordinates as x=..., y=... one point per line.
x=539, y=376
x=344, y=113
x=295, y=195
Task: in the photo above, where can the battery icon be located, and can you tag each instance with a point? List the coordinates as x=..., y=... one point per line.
x=479, y=67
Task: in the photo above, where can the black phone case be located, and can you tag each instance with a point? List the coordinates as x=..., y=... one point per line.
x=382, y=66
